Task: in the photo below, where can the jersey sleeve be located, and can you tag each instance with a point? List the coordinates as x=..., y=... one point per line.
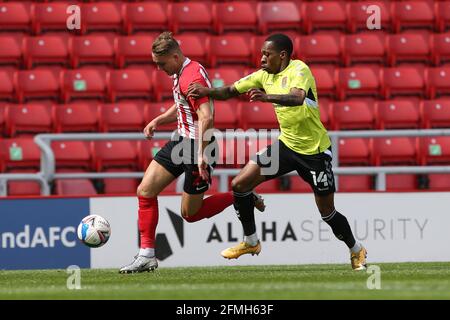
x=300, y=78
x=252, y=81
x=196, y=77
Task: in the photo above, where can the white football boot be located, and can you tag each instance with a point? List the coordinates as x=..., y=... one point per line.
x=140, y=264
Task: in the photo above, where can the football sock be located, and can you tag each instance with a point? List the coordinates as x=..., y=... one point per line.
x=147, y=252
x=356, y=248
x=251, y=239
x=244, y=204
x=340, y=227
x=147, y=221
x=212, y=206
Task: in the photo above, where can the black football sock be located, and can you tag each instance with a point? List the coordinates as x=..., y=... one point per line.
x=340, y=227
x=244, y=204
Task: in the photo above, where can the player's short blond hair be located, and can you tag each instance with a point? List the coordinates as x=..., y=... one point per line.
x=164, y=44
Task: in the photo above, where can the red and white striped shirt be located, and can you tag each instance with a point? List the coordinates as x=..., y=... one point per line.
x=191, y=72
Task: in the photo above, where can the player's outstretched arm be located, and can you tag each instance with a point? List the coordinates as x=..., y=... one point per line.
x=167, y=117
x=196, y=91
x=205, y=124
x=295, y=97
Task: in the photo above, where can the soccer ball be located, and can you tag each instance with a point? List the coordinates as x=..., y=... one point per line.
x=94, y=231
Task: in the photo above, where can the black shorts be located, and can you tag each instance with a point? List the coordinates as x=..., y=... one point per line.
x=314, y=169
x=181, y=156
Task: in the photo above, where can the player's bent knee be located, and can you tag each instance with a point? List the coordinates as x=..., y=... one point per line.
x=143, y=191
x=238, y=186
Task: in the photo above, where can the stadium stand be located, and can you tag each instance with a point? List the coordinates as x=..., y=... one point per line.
x=100, y=78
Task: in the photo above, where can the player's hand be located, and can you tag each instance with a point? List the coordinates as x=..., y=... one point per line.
x=150, y=129
x=257, y=95
x=203, y=168
x=197, y=91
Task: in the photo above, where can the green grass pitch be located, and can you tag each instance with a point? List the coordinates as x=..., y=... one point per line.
x=398, y=281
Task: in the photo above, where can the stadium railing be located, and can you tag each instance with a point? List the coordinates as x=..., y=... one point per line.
x=47, y=172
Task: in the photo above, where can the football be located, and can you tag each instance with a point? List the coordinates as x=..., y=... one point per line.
x=94, y=231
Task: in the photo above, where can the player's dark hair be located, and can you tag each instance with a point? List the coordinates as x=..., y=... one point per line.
x=281, y=42
x=164, y=44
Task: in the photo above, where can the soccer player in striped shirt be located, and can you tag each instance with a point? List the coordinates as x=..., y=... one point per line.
x=303, y=145
x=192, y=152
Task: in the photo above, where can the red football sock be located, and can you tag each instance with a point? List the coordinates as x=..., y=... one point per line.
x=212, y=206
x=148, y=220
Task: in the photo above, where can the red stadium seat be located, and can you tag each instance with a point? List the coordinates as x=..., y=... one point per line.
x=15, y=16
x=354, y=152
x=280, y=15
x=20, y=153
x=435, y=150
x=39, y=83
x=133, y=49
x=355, y=183
x=357, y=81
x=92, y=49
x=78, y=116
x=23, y=188
x=74, y=187
x=137, y=16
x=297, y=184
x=162, y=85
x=153, y=110
x=224, y=76
x=226, y=114
x=442, y=15
x=147, y=151
x=84, y=83
x=439, y=182
x=398, y=114
x=436, y=113
x=438, y=81
x=72, y=154
x=319, y=48
x=3, y=111
x=124, y=116
x=256, y=43
x=257, y=115
x=408, y=47
x=120, y=185
x=7, y=84
x=234, y=16
x=324, y=108
x=101, y=16
x=395, y=151
x=52, y=16
x=401, y=182
x=129, y=83
x=11, y=48
x=365, y=47
x=46, y=49
x=412, y=14
x=193, y=46
x=324, y=15
x=353, y=114
x=402, y=81
x=325, y=80
x=189, y=16
x=359, y=16
x=33, y=117
x=270, y=186
x=441, y=48
x=109, y=154
x=228, y=49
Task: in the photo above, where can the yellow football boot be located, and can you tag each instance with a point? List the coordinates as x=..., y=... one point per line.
x=359, y=259
x=240, y=249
